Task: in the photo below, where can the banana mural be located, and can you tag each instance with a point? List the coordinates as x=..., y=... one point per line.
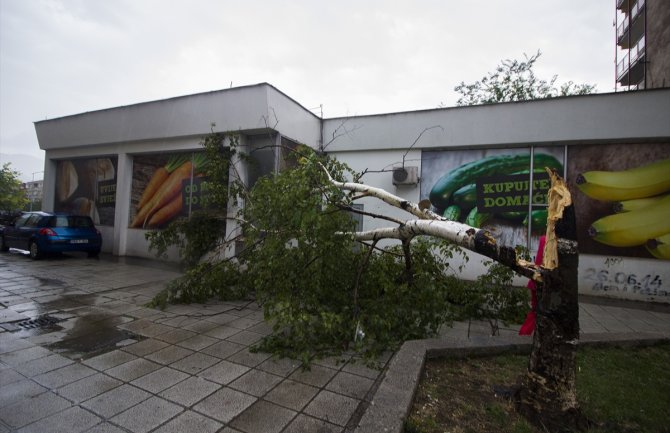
x=642, y=206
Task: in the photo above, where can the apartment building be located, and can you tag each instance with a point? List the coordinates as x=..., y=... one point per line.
x=642, y=53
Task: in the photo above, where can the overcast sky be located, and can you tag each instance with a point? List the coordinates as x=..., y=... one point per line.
x=61, y=57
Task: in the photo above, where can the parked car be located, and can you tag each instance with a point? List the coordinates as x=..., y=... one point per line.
x=8, y=217
x=45, y=232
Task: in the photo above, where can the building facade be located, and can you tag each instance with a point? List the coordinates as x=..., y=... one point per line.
x=100, y=163
x=642, y=44
x=33, y=192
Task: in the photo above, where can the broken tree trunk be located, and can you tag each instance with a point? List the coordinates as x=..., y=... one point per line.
x=547, y=396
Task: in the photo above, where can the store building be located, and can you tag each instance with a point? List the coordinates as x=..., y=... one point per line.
x=100, y=162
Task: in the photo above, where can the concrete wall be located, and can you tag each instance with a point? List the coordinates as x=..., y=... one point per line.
x=658, y=43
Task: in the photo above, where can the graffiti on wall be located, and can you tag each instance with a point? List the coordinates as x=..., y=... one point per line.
x=87, y=187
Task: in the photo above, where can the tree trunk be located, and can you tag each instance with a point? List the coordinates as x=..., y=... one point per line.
x=548, y=396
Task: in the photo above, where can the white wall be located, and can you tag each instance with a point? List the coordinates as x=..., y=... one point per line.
x=612, y=117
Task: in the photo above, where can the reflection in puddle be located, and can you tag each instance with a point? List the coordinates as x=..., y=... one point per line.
x=92, y=335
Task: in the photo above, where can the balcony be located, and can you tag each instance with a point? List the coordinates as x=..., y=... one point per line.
x=631, y=27
x=630, y=69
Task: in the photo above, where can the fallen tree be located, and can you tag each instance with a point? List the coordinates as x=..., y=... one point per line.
x=324, y=294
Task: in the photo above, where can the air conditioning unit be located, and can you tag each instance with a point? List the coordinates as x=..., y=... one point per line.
x=405, y=175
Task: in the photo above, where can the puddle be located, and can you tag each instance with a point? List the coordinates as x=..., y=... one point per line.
x=92, y=335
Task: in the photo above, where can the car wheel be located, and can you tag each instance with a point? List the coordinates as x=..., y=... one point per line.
x=3, y=245
x=35, y=252
x=94, y=254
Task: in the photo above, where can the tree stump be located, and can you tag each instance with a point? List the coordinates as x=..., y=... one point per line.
x=547, y=396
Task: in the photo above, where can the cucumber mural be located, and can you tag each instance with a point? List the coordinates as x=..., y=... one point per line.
x=492, y=189
x=621, y=194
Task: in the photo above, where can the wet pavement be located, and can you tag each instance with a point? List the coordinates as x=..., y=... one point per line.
x=80, y=352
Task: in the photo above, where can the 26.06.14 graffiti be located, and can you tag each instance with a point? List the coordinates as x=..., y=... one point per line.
x=622, y=282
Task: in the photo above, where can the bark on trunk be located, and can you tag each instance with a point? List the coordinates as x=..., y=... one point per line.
x=547, y=396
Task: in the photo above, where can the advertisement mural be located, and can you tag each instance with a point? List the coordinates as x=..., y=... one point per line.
x=621, y=194
x=166, y=186
x=492, y=189
x=622, y=197
x=87, y=187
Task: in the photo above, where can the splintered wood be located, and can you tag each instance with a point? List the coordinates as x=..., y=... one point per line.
x=559, y=199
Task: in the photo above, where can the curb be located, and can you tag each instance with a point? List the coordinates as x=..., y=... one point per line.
x=393, y=400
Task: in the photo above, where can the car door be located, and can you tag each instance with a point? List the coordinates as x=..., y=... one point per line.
x=26, y=231
x=12, y=232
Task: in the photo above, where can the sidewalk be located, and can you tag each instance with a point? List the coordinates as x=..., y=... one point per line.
x=80, y=353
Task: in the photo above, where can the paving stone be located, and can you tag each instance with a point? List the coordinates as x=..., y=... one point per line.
x=281, y=367
x=263, y=417
x=72, y=420
x=317, y=376
x=291, y=394
x=225, y=404
x=362, y=370
x=145, y=347
x=88, y=387
x=9, y=375
x=222, y=332
x=223, y=372
x=30, y=410
x=42, y=365
x=222, y=318
x=105, y=427
x=256, y=382
x=243, y=323
x=245, y=337
x=17, y=391
x=190, y=421
x=190, y=391
x=176, y=335
x=198, y=342
x=24, y=355
x=61, y=377
x=200, y=326
x=116, y=400
x=133, y=369
x=159, y=380
x=303, y=423
x=195, y=363
x=331, y=407
x=147, y=415
x=223, y=349
x=109, y=360
x=153, y=330
x=12, y=344
x=169, y=355
x=248, y=358
x=350, y=384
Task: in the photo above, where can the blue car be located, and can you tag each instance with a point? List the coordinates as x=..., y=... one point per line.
x=45, y=232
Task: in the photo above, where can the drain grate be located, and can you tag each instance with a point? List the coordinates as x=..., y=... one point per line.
x=39, y=322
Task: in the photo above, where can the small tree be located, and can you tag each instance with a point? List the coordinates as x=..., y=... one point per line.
x=515, y=80
x=12, y=197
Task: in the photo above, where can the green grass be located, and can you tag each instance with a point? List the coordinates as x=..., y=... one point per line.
x=619, y=389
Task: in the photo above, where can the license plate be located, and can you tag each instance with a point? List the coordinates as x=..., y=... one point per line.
x=79, y=241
